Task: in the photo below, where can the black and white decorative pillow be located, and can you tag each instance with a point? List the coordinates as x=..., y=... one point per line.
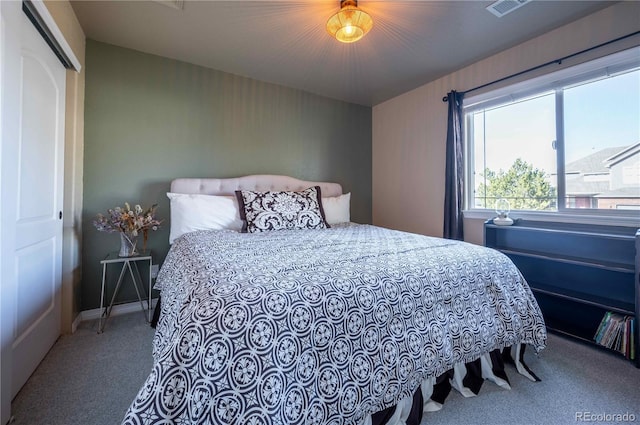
x=264, y=211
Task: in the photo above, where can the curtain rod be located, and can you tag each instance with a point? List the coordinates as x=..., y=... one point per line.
x=556, y=61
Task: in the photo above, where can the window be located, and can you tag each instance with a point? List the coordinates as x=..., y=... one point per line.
x=567, y=141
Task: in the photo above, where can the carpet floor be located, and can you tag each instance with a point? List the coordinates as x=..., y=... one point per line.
x=90, y=379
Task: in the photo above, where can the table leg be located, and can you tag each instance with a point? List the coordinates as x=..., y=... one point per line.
x=102, y=312
x=149, y=313
x=115, y=292
x=135, y=284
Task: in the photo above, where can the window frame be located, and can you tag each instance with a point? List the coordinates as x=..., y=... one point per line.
x=606, y=66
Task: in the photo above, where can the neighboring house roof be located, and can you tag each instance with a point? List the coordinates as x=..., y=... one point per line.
x=621, y=156
x=596, y=162
x=582, y=174
x=623, y=192
x=577, y=186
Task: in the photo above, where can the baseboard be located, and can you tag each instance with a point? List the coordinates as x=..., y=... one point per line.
x=76, y=323
x=117, y=310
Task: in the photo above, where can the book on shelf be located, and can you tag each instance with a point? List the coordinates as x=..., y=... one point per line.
x=633, y=335
x=616, y=331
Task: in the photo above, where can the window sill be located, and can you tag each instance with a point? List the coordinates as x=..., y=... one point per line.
x=560, y=217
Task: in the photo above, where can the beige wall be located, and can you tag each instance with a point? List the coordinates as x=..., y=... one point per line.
x=66, y=20
x=409, y=131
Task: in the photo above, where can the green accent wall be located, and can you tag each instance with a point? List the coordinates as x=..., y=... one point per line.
x=150, y=119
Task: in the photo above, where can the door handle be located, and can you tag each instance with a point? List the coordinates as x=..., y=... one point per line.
x=60, y=215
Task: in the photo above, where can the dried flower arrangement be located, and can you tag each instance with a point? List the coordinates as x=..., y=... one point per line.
x=129, y=222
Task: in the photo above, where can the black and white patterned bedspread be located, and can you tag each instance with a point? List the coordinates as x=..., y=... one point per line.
x=322, y=326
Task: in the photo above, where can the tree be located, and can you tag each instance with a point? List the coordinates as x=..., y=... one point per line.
x=525, y=187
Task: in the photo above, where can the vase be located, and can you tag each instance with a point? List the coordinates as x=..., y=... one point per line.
x=127, y=245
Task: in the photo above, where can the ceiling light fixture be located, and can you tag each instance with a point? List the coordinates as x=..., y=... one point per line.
x=350, y=23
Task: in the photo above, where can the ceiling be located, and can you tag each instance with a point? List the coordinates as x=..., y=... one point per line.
x=285, y=42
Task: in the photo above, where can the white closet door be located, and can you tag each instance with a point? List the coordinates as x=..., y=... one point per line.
x=33, y=91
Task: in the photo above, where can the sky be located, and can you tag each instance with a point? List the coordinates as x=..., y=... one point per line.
x=611, y=118
x=600, y=114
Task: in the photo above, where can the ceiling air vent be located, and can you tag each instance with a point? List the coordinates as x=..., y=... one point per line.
x=502, y=7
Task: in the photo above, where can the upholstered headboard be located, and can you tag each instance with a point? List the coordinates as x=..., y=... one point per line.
x=258, y=182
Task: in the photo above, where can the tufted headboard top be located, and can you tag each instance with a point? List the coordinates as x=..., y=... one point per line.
x=258, y=182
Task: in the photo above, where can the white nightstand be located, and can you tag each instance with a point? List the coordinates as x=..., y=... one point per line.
x=130, y=264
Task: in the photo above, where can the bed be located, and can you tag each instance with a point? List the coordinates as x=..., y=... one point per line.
x=334, y=323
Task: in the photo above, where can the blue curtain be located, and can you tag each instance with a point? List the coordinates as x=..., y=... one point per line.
x=454, y=177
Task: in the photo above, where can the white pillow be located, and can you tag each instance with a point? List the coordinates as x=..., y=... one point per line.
x=191, y=212
x=336, y=209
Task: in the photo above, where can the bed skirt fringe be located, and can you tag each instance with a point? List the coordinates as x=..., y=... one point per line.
x=466, y=378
